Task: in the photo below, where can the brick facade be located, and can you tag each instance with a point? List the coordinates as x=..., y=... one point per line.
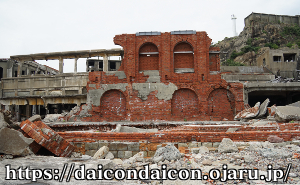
x=198, y=93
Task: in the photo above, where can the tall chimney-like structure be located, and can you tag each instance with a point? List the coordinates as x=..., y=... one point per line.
x=233, y=18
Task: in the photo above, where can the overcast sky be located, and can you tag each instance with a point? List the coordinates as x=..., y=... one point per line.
x=40, y=26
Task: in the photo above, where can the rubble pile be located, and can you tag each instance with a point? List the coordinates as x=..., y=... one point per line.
x=243, y=155
x=280, y=79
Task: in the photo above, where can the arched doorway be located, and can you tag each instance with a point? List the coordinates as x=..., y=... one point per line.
x=184, y=103
x=113, y=102
x=221, y=103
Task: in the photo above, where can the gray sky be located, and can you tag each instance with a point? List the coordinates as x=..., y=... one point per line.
x=35, y=26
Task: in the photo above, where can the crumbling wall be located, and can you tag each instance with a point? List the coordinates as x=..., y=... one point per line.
x=144, y=89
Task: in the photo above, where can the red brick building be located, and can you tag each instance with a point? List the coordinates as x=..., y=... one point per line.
x=164, y=76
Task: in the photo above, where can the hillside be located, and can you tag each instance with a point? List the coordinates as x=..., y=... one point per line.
x=245, y=48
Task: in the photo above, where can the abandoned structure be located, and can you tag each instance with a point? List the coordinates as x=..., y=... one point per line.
x=164, y=76
x=282, y=62
x=262, y=17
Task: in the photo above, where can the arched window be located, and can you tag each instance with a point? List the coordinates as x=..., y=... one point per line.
x=183, y=58
x=148, y=57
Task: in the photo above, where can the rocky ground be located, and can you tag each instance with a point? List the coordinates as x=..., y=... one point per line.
x=236, y=155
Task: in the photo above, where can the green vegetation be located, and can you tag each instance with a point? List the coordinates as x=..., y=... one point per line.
x=272, y=45
x=291, y=30
x=264, y=31
x=231, y=62
x=289, y=45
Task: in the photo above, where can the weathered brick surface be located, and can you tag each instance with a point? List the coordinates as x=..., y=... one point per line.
x=46, y=137
x=200, y=95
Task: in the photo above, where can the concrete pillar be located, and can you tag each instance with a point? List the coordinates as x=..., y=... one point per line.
x=28, y=115
x=17, y=109
x=105, y=63
x=33, y=110
x=7, y=108
x=87, y=66
x=75, y=65
x=20, y=65
x=61, y=65
x=96, y=66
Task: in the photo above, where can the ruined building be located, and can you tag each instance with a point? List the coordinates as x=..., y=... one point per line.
x=163, y=76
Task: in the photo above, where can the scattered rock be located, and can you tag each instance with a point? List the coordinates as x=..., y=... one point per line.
x=169, y=152
x=110, y=156
x=227, y=146
x=248, y=113
x=275, y=153
x=117, y=161
x=139, y=157
x=157, y=159
x=203, y=150
x=101, y=153
x=13, y=142
x=275, y=139
x=207, y=162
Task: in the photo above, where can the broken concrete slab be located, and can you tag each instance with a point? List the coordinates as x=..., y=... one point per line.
x=248, y=113
x=13, y=142
x=47, y=138
x=263, y=108
x=101, y=153
x=35, y=118
x=127, y=129
x=296, y=104
x=287, y=113
x=51, y=118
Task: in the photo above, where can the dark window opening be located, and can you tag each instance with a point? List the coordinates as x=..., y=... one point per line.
x=112, y=66
x=91, y=64
x=32, y=72
x=1, y=73
x=23, y=72
x=289, y=57
x=264, y=62
x=100, y=66
x=277, y=58
x=16, y=73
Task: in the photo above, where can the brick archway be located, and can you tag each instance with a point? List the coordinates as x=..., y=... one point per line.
x=221, y=103
x=113, y=102
x=184, y=103
x=148, y=57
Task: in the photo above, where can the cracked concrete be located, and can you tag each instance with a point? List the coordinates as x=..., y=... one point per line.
x=165, y=92
x=94, y=95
